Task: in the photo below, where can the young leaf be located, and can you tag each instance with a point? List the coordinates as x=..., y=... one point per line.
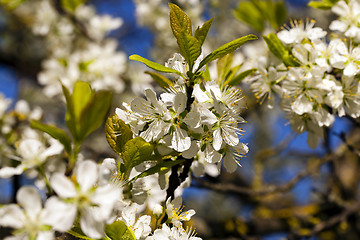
x=237, y=79
x=119, y=231
x=179, y=21
x=12, y=4
x=278, y=49
x=225, y=49
x=136, y=151
x=94, y=113
x=117, y=133
x=249, y=14
x=80, y=97
x=160, y=79
x=70, y=119
x=161, y=167
x=324, y=5
x=190, y=48
x=201, y=32
x=71, y=5
x=54, y=132
x=153, y=65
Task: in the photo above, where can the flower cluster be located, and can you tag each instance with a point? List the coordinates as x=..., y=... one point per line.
x=201, y=119
x=77, y=49
x=322, y=80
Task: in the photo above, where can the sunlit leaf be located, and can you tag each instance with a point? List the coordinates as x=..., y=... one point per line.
x=160, y=79
x=117, y=133
x=119, y=231
x=153, y=65
x=226, y=48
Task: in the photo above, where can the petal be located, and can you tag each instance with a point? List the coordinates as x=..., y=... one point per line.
x=7, y=172
x=180, y=140
x=351, y=69
x=45, y=235
x=180, y=102
x=62, y=186
x=211, y=155
x=217, y=139
x=87, y=174
x=230, y=136
x=12, y=216
x=192, y=151
x=90, y=223
x=29, y=198
x=58, y=214
x=229, y=163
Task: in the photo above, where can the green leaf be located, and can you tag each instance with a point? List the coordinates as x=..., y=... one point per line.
x=119, y=231
x=70, y=115
x=136, y=151
x=179, y=21
x=77, y=232
x=94, y=113
x=154, y=65
x=223, y=66
x=201, y=32
x=71, y=5
x=190, y=48
x=12, y=4
x=54, y=132
x=321, y=5
x=237, y=79
x=278, y=49
x=250, y=14
x=81, y=96
x=161, y=167
x=225, y=49
x=160, y=79
x=117, y=133
x=275, y=45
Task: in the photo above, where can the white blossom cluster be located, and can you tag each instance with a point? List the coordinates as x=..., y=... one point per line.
x=325, y=83
x=206, y=126
x=77, y=49
x=96, y=197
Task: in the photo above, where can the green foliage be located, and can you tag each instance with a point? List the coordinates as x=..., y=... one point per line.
x=11, y=4
x=324, y=4
x=77, y=232
x=160, y=167
x=279, y=50
x=154, y=65
x=226, y=49
x=86, y=109
x=117, y=133
x=238, y=78
x=201, y=32
x=71, y=5
x=119, y=231
x=257, y=13
x=160, y=79
x=136, y=151
x=54, y=132
x=190, y=47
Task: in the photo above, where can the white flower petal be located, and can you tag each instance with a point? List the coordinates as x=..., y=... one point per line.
x=62, y=186
x=29, y=198
x=90, y=223
x=217, y=139
x=58, y=214
x=87, y=174
x=12, y=216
